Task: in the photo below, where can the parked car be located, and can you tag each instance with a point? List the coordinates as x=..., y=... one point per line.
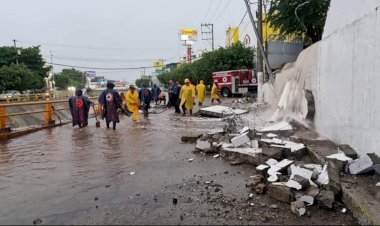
x=9, y=94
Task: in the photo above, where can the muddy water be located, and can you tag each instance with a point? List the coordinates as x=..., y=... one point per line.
x=56, y=171
x=83, y=176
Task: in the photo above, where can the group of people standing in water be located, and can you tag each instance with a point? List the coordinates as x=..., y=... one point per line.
x=111, y=103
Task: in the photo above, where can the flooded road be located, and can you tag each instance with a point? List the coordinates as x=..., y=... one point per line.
x=68, y=175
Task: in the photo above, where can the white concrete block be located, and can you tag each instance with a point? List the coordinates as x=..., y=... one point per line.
x=339, y=156
x=360, y=165
x=240, y=140
x=203, y=145
x=294, y=184
x=296, y=170
x=277, y=127
x=261, y=167
x=309, y=200
x=323, y=177
x=271, y=135
x=271, y=162
x=244, y=130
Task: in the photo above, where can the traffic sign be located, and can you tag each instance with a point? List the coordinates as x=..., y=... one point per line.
x=247, y=40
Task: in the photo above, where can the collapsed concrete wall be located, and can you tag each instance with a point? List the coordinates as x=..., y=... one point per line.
x=342, y=71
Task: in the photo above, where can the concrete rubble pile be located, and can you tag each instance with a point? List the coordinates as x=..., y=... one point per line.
x=284, y=169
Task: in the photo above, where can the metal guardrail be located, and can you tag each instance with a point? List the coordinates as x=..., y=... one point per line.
x=38, y=96
x=48, y=111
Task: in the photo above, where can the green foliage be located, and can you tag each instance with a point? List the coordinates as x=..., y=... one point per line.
x=19, y=77
x=281, y=15
x=31, y=57
x=69, y=77
x=231, y=58
x=140, y=81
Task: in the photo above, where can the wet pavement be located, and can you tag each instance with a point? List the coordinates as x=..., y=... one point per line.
x=84, y=176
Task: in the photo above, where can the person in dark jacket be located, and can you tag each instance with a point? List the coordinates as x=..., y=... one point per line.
x=145, y=96
x=156, y=91
x=79, y=107
x=111, y=102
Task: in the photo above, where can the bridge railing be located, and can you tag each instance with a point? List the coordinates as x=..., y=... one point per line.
x=38, y=96
x=50, y=107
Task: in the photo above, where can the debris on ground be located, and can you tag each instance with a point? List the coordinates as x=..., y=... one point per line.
x=132, y=173
x=284, y=168
x=221, y=111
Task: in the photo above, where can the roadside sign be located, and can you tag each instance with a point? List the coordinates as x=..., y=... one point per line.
x=247, y=40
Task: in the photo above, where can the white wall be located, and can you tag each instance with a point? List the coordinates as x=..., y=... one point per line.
x=343, y=72
x=347, y=84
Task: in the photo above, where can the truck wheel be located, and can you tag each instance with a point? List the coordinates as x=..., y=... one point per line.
x=226, y=92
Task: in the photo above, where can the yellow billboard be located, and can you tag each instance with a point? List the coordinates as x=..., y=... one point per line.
x=271, y=34
x=158, y=64
x=188, y=34
x=232, y=36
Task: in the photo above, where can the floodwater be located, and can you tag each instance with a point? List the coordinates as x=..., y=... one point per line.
x=51, y=173
x=67, y=175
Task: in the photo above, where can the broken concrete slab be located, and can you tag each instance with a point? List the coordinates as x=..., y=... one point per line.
x=271, y=135
x=274, y=152
x=340, y=157
x=323, y=177
x=244, y=130
x=348, y=151
x=298, y=182
x=221, y=111
x=203, y=144
x=262, y=169
x=297, y=170
x=240, y=140
x=309, y=200
x=312, y=191
x=280, y=192
x=298, y=207
x=249, y=155
x=191, y=138
x=334, y=178
x=277, y=127
x=271, y=162
x=273, y=177
x=361, y=165
x=326, y=199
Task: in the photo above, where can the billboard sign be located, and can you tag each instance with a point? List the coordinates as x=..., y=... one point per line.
x=90, y=74
x=158, y=64
x=188, y=34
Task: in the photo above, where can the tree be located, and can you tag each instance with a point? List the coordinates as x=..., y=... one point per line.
x=31, y=57
x=233, y=57
x=140, y=81
x=19, y=77
x=312, y=14
x=69, y=77
x=29, y=74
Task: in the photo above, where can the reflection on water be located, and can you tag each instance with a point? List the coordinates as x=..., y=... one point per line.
x=52, y=171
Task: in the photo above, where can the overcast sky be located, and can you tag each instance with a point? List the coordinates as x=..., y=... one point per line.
x=116, y=33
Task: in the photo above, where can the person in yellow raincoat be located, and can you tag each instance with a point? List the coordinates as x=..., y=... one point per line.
x=133, y=103
x=201, y=88
x=187, y=97
x=193, y=87
x=214, y=94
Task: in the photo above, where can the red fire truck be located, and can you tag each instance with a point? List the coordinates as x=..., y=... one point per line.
x=235, y=81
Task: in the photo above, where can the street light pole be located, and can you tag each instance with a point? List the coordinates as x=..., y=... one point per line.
x=14, y=43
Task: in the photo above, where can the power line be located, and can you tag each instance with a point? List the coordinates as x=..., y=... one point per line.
x=208, y=10
x=220, y=1
x=242, y=19
x=224, y=9
x=103, y=60
x=101, y=68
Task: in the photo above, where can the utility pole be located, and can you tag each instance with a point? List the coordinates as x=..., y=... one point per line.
x=188, y=53
x=14, y=43
x=206, y=30
x=52, y=70
x=260, y=51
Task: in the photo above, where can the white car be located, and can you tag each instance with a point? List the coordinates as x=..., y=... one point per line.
x=9, y=94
